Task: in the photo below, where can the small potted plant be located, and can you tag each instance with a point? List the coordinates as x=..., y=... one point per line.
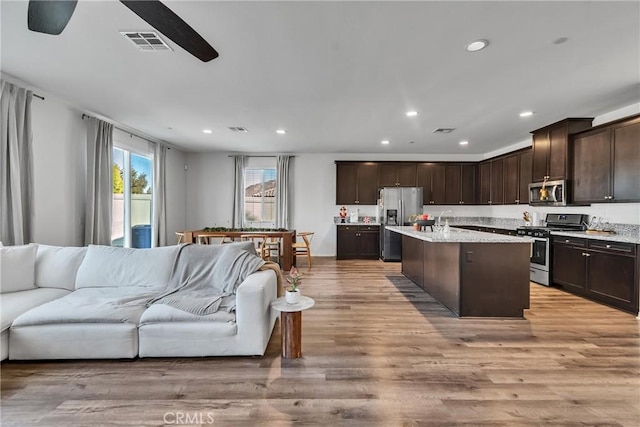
x=292, y=293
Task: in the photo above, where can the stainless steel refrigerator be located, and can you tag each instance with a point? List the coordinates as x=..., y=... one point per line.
x=396, y=205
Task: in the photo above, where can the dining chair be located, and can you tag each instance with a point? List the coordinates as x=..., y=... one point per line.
x=259, y=241
x=304, y=247
x=180, y=237
x=202, y=240
x=273, y=246
x=214, y=239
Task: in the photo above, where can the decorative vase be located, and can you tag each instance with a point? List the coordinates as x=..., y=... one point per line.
x=292, y=297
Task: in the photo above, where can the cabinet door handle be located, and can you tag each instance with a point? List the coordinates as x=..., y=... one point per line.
x=607, y=246
x=567, y=241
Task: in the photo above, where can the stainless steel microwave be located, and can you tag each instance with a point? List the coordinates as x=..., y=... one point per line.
x=548, y=193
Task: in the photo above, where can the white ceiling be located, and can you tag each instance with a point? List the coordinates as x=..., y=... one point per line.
x=339, y=76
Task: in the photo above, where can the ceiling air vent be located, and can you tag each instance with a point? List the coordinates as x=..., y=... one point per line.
x=444, y=130
x=146, y=41
x=238, y=129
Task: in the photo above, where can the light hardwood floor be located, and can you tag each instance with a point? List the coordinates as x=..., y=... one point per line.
x=377, y=351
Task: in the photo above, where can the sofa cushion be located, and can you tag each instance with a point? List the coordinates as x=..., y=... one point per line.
x=106, y=266
x=162, y=313
x=90, y=305
x=17, y=267
x=56, y=267
x=13, y=304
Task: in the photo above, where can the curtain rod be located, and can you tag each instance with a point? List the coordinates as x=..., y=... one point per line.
x=131, y=134
x=248, y=155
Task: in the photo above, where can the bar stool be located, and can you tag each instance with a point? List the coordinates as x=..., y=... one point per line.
x=179, y=237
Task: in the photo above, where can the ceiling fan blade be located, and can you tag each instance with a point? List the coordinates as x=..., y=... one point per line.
x=171, y=25
x=49, y=16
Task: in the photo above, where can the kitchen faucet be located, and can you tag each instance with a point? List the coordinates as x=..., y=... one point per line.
x=442, y=213
x=444, y=229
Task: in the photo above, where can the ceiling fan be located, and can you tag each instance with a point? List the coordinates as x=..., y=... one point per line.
x=52, y=16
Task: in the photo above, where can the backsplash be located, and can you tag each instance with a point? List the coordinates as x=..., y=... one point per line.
x=624, y=218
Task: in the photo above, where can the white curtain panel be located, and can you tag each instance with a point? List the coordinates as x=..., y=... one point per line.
x=99, y=183
x=238, y=191
x=159, y=196
x=283, y=192
x=16, y=164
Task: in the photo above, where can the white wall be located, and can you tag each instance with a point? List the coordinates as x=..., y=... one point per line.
x=209, y=191
x=176, y=199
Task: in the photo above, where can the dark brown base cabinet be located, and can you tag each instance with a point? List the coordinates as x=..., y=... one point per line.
x=471, y=279
x=600, y=270
x=358, y=242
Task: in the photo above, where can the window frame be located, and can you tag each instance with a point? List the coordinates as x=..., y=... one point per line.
x=142, y=148
x=268, y=165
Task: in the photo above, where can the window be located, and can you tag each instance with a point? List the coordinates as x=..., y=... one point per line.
x=132, y=194
x=260, y=192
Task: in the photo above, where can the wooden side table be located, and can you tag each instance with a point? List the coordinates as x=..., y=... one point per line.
x=291, y=324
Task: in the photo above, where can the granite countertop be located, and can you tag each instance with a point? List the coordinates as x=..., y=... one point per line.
x=458, y=236
x=501, y=227
x=608, y=237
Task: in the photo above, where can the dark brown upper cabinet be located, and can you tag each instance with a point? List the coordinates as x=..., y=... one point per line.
x=497, y=181
x=356, y=183
x=606, y=163
x=397, y=174
x=453, y=184
x=511, y=175
x=484, y=183
x=551, y=157
x=431, y=177
x=460, y=183
x=517, y=177
x=491, y=182
x=524, y=177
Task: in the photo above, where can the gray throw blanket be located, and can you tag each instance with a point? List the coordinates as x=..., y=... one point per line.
x=205, y=277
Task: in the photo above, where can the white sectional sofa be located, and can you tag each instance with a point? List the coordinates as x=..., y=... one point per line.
x=93, y=303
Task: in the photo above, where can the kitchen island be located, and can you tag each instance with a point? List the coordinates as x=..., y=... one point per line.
x=473, y=274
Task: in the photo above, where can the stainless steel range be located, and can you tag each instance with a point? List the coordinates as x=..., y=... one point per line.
x=540, y=249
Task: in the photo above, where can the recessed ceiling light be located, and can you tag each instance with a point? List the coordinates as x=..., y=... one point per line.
x=526, y=114
x=477, y=45
x=207, y=131
x=464, y=142
x=281, y=131
x=412, y=113
x=385, y=142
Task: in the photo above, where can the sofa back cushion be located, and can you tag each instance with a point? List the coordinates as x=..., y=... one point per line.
x=57, y=267
x=107, y=266
x=17, y=265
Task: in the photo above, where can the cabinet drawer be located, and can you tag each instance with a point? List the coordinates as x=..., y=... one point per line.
x=347, y=227
x=613, y=247
x=375, y=228
x=571, y=241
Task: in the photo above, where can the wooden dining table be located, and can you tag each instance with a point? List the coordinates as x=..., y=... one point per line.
x=288, y=237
